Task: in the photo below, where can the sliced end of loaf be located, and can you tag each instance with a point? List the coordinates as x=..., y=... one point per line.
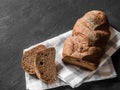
x=45, y=67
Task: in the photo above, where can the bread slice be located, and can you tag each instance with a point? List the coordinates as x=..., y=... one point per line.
x=45, y=67
x=28, y=58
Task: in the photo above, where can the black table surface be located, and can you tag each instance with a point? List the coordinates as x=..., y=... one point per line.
x=27, y=22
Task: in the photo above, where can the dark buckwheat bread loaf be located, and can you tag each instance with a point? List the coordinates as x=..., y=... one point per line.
x=88, y=41
x=29, y=58
x=45, y=67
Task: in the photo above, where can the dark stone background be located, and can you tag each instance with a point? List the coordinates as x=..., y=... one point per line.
x=27, y=22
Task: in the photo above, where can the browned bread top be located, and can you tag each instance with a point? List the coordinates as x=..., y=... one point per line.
x=28, y=58
x=89, y=37
x=45, y=67
x=93, y=25
x=95, y=18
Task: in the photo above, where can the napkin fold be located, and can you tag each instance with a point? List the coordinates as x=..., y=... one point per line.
x=72, y=75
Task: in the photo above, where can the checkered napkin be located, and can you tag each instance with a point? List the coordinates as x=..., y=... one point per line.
x=104, y=72
x=72, y=75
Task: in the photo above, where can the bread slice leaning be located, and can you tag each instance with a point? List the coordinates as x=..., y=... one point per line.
x=29, y=57
x=45, y=67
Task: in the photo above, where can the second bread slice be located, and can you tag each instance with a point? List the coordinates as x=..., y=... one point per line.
x=45, y=65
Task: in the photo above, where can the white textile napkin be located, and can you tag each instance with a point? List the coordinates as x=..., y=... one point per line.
x=72, y=75
x=104, y=72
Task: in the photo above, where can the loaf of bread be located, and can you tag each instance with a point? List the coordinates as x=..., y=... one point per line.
x=29, y=57
x=45, y=67
x=86, y=45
